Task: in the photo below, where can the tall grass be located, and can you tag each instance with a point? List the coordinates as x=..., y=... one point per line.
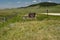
x=40, y=28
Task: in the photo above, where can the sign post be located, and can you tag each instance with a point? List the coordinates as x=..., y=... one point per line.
x=47, y=13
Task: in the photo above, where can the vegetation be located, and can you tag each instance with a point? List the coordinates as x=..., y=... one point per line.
x=39, y=28
x=43, y=4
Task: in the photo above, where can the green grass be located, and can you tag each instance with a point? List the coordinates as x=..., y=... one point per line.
x=40, y=28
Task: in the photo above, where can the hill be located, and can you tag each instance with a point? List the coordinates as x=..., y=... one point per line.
x=45, y=4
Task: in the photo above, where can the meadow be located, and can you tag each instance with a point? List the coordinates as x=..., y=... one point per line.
x=40, y=28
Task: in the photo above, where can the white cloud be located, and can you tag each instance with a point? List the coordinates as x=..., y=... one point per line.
x=50, y=1
x=27, y=3
x=34, y=1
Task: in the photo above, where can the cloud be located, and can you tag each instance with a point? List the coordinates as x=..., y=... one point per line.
x=50, y=1
x=34, y=1
x=27, y=3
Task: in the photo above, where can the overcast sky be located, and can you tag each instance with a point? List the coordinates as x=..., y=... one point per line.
x=21, y=3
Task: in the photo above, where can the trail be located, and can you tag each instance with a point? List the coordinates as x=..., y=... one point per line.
x=54, y=14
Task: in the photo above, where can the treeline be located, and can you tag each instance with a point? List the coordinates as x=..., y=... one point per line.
x=48, y=4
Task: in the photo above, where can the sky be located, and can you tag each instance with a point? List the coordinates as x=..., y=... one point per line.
x=21, y=3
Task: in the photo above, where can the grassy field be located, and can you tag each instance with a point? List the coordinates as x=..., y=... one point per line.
x=40, y=28
x=31, y=30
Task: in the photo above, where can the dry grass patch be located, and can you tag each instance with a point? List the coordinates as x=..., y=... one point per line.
x=32, y=30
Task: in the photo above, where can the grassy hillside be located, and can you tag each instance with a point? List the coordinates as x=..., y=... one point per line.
x=40, y=28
